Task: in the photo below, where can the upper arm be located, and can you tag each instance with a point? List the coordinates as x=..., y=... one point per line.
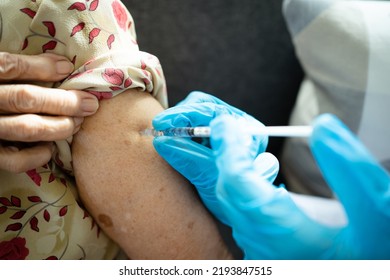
x=135, y=196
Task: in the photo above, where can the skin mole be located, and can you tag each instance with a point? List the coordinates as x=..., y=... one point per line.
x=190, y=225
x=105, y=220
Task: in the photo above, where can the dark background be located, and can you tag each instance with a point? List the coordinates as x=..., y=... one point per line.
x=237, y=50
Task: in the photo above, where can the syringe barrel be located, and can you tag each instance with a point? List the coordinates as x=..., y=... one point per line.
x=200, y=131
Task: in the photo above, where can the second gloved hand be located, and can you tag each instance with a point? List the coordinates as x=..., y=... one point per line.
x=268, y=224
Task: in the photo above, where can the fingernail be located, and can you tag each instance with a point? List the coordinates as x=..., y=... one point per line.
x=89, y=105
x=64, y=67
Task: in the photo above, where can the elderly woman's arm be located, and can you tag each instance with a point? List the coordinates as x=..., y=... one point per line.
x=134, y=195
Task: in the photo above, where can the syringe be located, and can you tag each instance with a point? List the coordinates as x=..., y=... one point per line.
x=204, y=131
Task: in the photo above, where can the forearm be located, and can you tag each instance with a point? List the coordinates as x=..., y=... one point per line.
x=134, y=195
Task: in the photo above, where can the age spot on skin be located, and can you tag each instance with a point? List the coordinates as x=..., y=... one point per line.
x=190, y=225
x=105, y=220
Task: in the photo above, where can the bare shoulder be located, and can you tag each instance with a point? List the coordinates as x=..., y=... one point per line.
x=112, y=137
x=149, y=209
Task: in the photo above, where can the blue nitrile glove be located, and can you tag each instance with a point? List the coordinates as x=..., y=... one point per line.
x=266, y=222
x=196, y=162
x=199, y=109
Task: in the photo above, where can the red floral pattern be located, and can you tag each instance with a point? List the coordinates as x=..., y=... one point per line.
x=110, y=40
x=14, y=204
x=28, y=12
x=113, y=76
x=50, y=27
x=94, y=4
x=120, y=14
x=77, y=28
x=116, y=77
x=101, y=94
x=14, y=249
x=79, y=6
x=51, y=45
x=93, y=34
x=41, y=210
x=35, y=177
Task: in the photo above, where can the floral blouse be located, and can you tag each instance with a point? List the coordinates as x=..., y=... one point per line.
x=41, y=216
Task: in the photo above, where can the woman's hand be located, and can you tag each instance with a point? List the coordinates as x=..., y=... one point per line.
x=31, y=117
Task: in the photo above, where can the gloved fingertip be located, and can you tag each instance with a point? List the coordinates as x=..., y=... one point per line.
x=157, y=119
x=331, y=135
x=267, y=166
x=163, y=120
x=327, y=123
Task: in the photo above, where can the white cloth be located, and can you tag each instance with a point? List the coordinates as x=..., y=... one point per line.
x=344, y=49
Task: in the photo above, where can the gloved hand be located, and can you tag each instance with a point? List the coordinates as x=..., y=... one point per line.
x=266, y=222
x=195, y=161
x=199, y=109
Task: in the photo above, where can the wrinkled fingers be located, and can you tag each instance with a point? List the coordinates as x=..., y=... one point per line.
x=34, y=99
x=16, y=160
x=44, y=67
x=33, y=128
